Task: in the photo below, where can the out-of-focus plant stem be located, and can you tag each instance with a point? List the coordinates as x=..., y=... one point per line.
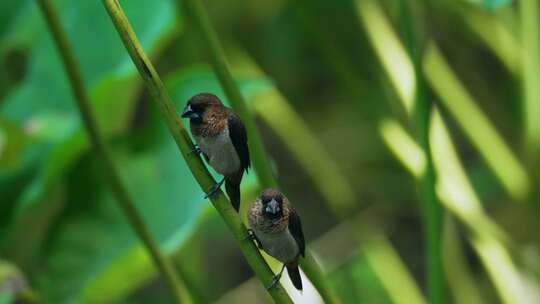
x=180, y=292
x=530, y=74
x=386, y=263
x=261, y=161
x=295, y=135
x=216, y=55
x=421, y=121
x=475, y=124
x=204, y=178
x=460, y=278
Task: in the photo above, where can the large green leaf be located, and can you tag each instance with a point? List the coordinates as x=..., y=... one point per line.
x=42, y=104
x=94, y=255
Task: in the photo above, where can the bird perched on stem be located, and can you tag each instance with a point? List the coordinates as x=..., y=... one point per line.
x=221, y=137
x=276, y=229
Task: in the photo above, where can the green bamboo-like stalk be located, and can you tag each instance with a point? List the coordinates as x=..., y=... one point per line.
x=421, y=120
x=180, y=292
x=432, y=210
x=216, y=55
x=475, y=124
x=387, y=264
x=260, y=160
x=204, y=178
x=460, y=277
x=530, y=66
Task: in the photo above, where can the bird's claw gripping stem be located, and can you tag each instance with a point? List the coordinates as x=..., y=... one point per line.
x=195, y=150
x=275, y=281
x=214, y=189
x=251, y=236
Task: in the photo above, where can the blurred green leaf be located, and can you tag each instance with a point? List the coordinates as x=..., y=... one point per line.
x=43, y=104
x=7, y=9
x=470, y=117
x=497, y=36
x=491, y=4
x=530, y=74
x=476, y=125
x=458, y=196
x=367, y=288
x=494, y=4
x=388, y=48
x=200, y=78
x=12, y=281
x=461, y=279
x=389, y=268
x=6, y=298
x=94, y=249
x=20, y=24
x=13, y=140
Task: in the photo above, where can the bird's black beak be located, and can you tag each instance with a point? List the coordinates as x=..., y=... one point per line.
x=189, y=113
x=272, y=207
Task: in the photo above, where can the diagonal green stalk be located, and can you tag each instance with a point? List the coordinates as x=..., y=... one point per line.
x=421, y=121
x=223, y=73
x=260, y=160
x=180, y=292
x=200, y=173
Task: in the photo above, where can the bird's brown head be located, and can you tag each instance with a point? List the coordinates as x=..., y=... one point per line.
x=198, y=104
x=272, y=203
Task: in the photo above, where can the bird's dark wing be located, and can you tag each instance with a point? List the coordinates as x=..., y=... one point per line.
x=238, y=135
x=295, y=227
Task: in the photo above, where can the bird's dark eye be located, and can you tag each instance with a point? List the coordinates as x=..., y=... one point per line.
x=196, y=108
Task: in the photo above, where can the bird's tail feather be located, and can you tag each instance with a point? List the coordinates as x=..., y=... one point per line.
x=294, y=274
x=232, y=186
x=233, y=191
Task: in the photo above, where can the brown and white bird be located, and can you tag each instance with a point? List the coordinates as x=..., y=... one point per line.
x=221, y=137
x=277, y=230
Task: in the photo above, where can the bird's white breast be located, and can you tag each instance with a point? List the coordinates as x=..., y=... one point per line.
x=280, y=245
x=220, y=151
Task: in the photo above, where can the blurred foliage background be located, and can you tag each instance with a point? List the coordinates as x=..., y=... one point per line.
x=335, y=87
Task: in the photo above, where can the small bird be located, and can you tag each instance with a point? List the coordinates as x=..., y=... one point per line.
x=222, y=138
x=276, y=229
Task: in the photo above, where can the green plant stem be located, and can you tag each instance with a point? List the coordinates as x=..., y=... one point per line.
x=260, y=159
x=313, y=271
x=204, y=178
x=219, y=63
x=119, y=190
x=432, y=208
x=530, y=66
